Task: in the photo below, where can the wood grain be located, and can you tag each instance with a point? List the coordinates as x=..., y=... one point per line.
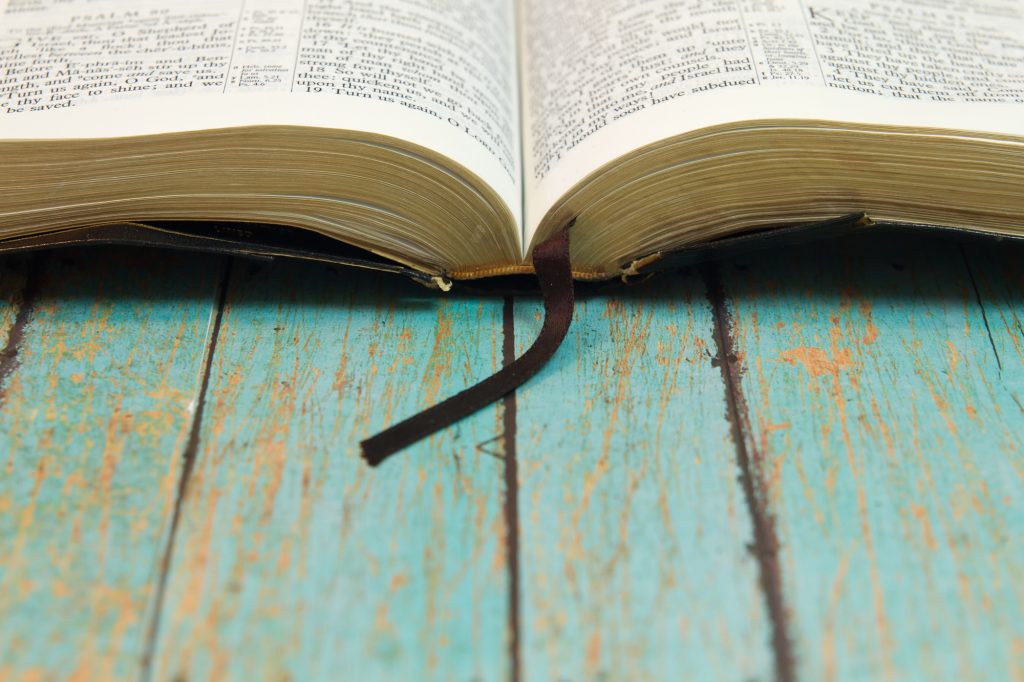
x=104, y=351
x=633, y=524
x=294, y=560
x=888, y=439
x=880, y=402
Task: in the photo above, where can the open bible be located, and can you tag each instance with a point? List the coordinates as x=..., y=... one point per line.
x=452, y=136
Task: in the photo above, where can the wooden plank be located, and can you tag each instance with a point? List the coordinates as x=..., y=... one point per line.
x=888, y=448
x=103, y=360
x=634, y=528
x=293, y=559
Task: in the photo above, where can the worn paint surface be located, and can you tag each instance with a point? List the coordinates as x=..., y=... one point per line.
x=876, y=388
x=296, y=561
x=888, y=437
x=101, y=367
x=634, y=529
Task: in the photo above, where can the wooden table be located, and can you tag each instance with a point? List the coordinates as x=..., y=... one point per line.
x=799, y=465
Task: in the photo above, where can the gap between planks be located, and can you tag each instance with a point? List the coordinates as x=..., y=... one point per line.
x=508, y=355
x=188, y=463
x=765, y=545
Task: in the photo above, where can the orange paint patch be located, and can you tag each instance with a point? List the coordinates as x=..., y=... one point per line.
x=954, y=359
x=594, y=651
x=921, y=515
x=830, y=479
x=871, y=333
x=890, y=445
x=399, y=581
x=816, y=361
x=943, y=406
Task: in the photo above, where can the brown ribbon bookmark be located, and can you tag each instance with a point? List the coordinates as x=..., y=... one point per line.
x=551, y=262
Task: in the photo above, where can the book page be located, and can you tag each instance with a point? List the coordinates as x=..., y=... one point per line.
x=605, y=77
x=439, y=73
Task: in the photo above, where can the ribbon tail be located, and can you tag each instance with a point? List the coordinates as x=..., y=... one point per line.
x=551, y=263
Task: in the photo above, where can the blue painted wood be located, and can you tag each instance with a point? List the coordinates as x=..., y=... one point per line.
x=294, y=560
x=634, y=528
x=881, y=401
x=889, y=448
x=103, y=356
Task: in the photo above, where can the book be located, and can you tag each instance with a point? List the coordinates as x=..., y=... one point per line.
x=450, y=137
